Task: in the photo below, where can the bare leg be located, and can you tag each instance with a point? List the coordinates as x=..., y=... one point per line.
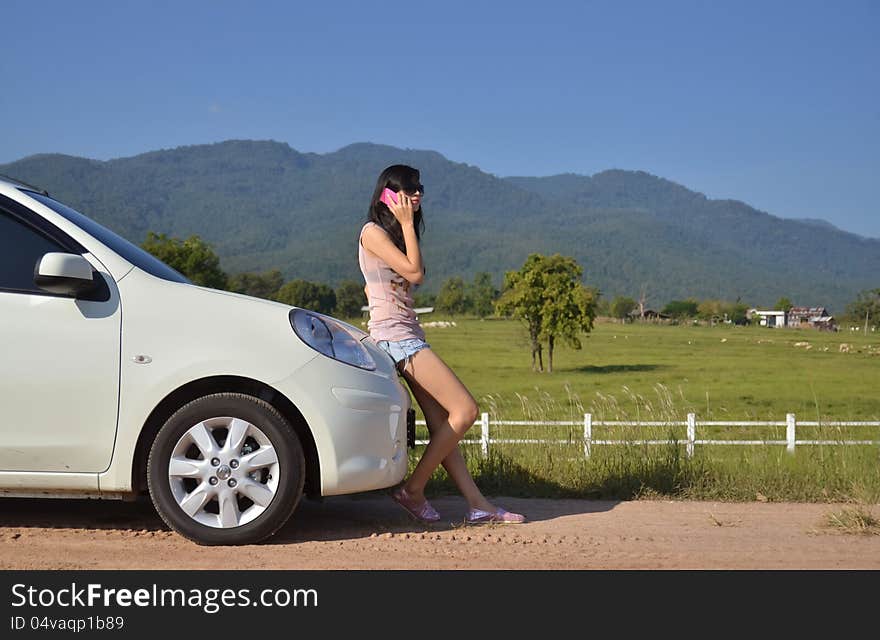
x=450, y=410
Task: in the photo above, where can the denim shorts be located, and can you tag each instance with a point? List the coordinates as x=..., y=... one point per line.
x=402, y=350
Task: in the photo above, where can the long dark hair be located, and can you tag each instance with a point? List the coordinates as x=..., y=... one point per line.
x=397, y=177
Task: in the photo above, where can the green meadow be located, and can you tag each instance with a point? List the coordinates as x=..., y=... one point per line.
x=720, y=373
x=648, y=372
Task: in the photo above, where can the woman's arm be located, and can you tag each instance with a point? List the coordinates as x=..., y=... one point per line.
x=409, y=264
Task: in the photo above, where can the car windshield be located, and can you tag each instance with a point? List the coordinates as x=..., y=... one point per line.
x=131, y=252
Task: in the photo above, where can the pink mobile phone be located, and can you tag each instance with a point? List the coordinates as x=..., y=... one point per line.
x=388, y=194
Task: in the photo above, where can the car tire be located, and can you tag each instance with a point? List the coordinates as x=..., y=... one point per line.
x=226, y=469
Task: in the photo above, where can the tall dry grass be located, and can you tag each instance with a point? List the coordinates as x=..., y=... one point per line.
x=634, y=469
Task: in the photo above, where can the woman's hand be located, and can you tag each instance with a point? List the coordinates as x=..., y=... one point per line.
x=403, y=209
x=409, y=265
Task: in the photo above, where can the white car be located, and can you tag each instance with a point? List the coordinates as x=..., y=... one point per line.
x=119, y=376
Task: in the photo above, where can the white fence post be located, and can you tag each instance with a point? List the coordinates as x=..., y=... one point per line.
x=790, y=427
x=588, y=433
x=484, y=435
x=691, y=434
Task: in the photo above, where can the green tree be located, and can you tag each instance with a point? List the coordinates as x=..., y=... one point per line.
x=569, y=307
x=308, y=295
x=621, y=307
x=452, y=298
x=349, y=299
x=522, y=298
x=599, y=304
x=603, y=306
x=547, y=296
x=259, y=285
x=192, y=257
x=865, y=308
x=483, y=294
x=736, y=312
x=712, y=310
x=681, y=308
x=425, y=300
x=783, y=304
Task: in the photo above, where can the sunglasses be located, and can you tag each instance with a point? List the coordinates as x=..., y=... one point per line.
x=411, y=190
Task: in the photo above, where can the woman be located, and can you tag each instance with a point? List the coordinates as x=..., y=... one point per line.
x=391, y=262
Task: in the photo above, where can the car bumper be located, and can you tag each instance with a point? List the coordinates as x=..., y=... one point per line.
x=361, y=421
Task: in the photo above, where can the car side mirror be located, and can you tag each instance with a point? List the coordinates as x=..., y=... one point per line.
x=65, y=273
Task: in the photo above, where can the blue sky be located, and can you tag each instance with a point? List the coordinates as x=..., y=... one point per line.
x=773, y=103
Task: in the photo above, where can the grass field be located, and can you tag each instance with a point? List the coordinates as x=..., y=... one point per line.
x=719, y=373
x=658, y=372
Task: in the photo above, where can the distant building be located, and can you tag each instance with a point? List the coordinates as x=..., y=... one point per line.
x=798, y=316
x=650, y=314
x=774, y=318
x=802, y=317
x=826, y=323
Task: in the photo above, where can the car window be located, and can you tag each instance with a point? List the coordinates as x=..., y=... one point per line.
x=131, y=252
x=21, y=246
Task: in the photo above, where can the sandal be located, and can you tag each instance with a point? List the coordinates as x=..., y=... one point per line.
x=423, y=512
x=478, y=516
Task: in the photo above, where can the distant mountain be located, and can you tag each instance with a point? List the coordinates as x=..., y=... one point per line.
x=818, y=222
x=754, y=255
x=265, y=205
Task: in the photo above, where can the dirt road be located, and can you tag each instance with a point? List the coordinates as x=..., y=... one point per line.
x=371, y=532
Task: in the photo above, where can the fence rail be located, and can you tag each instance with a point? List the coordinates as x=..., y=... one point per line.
x=790, y=423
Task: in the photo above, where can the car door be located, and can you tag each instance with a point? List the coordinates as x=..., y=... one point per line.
x=59, y=357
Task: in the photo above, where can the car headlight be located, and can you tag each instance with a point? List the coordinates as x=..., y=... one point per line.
x=332, y=338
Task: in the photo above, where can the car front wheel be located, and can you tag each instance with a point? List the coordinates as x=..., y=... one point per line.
x=226, y=469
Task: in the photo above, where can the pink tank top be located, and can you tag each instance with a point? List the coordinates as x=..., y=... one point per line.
x=392, y=316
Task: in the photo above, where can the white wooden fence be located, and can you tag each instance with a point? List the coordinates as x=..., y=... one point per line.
x=690, y=441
